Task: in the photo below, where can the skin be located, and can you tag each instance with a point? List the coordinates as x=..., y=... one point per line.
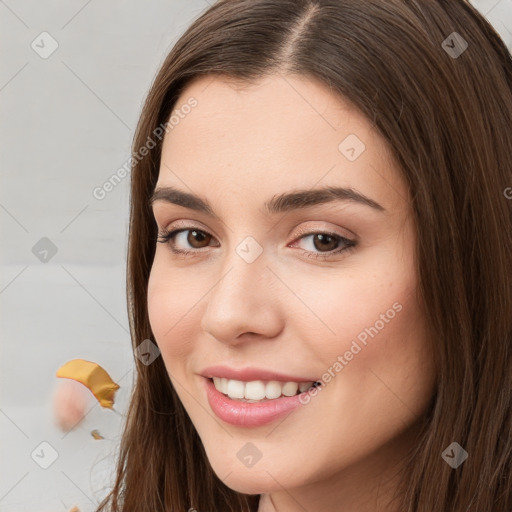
x=286, y=312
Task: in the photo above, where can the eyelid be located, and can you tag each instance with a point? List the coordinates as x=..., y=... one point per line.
x=186, y=224
x=308, y=229
x=313, y=229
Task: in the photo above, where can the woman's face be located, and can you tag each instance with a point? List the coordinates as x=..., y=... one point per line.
x=312, y=290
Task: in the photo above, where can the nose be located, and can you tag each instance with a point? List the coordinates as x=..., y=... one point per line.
x=244, y=302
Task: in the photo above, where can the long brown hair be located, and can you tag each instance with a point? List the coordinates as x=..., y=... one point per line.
x=446, y=111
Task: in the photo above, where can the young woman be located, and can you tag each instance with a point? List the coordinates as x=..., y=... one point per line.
x=321, y=249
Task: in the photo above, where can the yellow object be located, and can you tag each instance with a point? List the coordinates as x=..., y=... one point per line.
x=94, y=377
x=96, y=434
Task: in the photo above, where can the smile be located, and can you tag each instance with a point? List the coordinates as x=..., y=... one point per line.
x=258, y=390
x=245, y=412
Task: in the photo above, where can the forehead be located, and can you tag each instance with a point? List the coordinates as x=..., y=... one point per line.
x=278, y=133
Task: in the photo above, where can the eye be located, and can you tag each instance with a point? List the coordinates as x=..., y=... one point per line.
x=328, y=244
x=196, y=238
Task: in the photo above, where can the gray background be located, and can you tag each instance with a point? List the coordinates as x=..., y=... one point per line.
x=68, y=121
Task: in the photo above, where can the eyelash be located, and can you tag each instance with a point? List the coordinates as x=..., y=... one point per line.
x=166, y=237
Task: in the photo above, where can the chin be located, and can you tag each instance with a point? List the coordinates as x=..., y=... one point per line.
x=259, y=479
x=246, y=482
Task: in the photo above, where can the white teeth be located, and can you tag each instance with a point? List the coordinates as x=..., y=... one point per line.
x=290, y=388
x=257, y=390
x=221, y=384
x=273, y=389
x=236, y=389
x=254, y=390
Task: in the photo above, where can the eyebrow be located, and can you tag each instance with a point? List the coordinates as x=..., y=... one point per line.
x=277, y=204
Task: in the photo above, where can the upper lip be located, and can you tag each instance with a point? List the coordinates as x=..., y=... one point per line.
x=250, y=374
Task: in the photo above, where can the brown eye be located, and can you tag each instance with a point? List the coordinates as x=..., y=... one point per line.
x=191, y=238
x=324, y=242
x=325, y=245
x=195, y=238
x=190, y=241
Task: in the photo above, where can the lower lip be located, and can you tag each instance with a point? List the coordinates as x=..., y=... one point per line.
x=246, y=414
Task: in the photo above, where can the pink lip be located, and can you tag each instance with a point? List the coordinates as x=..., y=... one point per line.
x=245, y=414
x=250, y=374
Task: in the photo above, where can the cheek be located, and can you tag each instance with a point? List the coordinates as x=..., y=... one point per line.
x=169, y=311
x=374, y=347
x=385, y=374
x=368, y=299
x=362, y=316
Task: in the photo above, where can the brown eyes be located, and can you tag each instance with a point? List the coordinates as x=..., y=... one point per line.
x=326, y=243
